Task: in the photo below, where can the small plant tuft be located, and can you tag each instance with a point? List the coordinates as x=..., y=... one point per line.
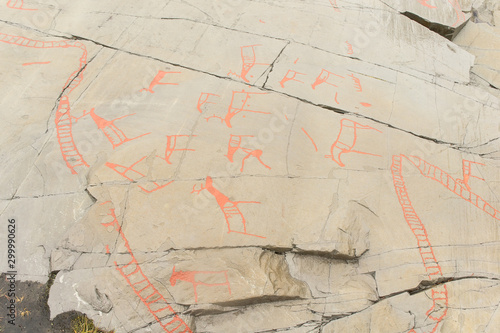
x=82, y=324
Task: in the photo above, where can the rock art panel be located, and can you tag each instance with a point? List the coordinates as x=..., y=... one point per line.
x=197, y=166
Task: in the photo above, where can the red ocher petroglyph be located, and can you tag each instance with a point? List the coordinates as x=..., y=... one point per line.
x=466, y=172
x=456, y=7
x=349, y=48
x=203, y=99
x=233, y=110
x=63, y=119
x=190, y=276
x=334, y=5
x=323, y=78
x=424, y=3
x=290, y=77
x=235, y=145
x=366, y=105
x=157, y=79
x=248, y=59
x=130, y=169
x=357, y=83
x=232, y=214
x=456, y=186
x=115, y=135
x=17, y=4
x=346, y=140
x=458, y=11
x=433, y=269
x=439, y=294
x=171, y=143
x=310, y=138
x=36, y=63
x=154, y=301
x=65, y=136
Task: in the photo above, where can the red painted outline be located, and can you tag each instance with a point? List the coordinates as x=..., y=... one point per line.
x=233, y=111
x=190, y=276
x=123, y=173
x=346, y=140
x=424, y=3
x=63, y=118
x=235, y=144
x=310, y=138
x=439, y=294
x=154, y=301
x=357, y=83
x=334, y=5
x=456, y=7
x=323, y=78
x=203, y=99
x=157, y=79
x=466, y=173
x=229, y=208
x=349, y=48
x=114, y=135
x=287, y=78
x=248, y=60
x=171, y=143
x=17, y=4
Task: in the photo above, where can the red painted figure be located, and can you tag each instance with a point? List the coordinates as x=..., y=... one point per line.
x=171, y=143
x=203, y=99
x=114, y=135
x=239, y=102
x=456, y=7
x=157, y=79
x=196, y=279
x=466, y=172
x=310, y=138
x=349, y=48
x=248, y=59
x=154, y=301
x=63, y=119
x=323, y=78
x=346, y=140
x=17, y=4
x=235, y=145
x=334, y=5
x=439, y=294
x=232, y=214
x=357, y=83
x=424, y=3
x=129, y=170
x=37, y=63
x=290, y=76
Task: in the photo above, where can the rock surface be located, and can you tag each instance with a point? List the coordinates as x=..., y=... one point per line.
x=255, y=166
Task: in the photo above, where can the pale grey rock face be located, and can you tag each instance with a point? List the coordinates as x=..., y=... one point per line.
x=255, y=166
